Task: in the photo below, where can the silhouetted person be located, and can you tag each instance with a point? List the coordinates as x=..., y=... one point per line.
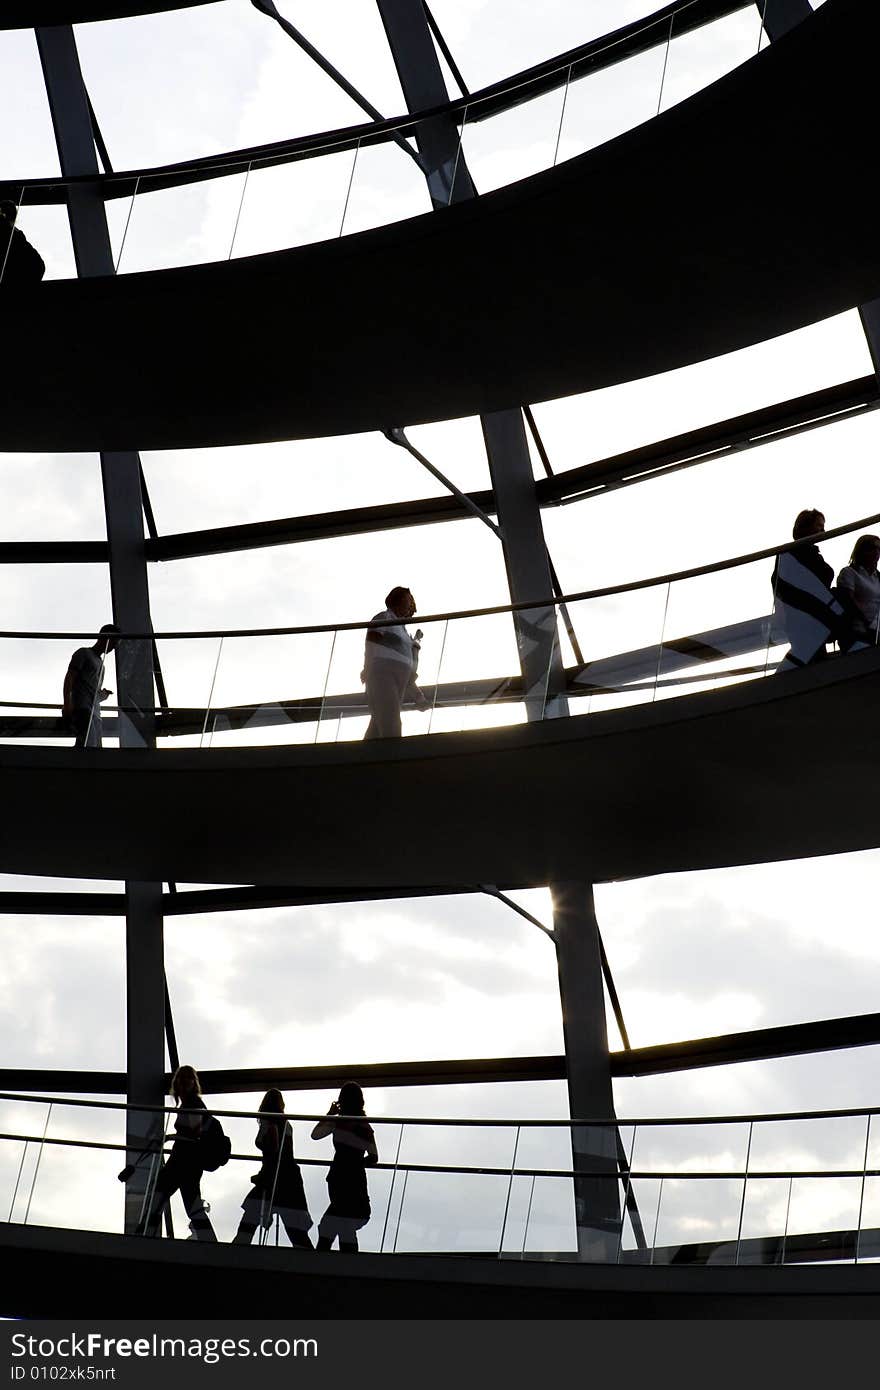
x=184, y=1169
x=83, y=691
x=858, y=589
x=805, y=606
x=278, y=1187
x=20, y=263
x=391, y=660
x=354, y=1150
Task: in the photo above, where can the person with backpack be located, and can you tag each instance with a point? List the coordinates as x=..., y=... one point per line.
x=354, y=1150
x=20, y=263
x=199, y=1145
x=278, y=1187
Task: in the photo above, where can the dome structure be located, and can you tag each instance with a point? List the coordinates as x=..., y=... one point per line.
x=557, y=838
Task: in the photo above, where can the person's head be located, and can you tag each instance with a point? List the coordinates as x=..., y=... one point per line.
x=107, y=638
x=185, y=1083
x=808, y=523
x=866, y=553
x=273, y=1101
x=351, y=1099
x=400, y=602
x=8, y=211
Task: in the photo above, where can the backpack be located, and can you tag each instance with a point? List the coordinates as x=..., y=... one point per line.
x=214, y=1146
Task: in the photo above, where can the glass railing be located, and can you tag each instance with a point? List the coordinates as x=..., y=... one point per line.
x=754, y=1190
x=657, y=639
x=343, y=182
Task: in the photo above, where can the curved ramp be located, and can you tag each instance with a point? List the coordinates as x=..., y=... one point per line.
x=32, y=14
x=742, y=213
x=774, y=769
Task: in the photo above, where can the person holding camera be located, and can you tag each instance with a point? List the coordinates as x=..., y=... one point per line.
x=391, y=662
x=354, y=1150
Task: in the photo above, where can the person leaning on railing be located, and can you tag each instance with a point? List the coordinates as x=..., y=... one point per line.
x=805, y=607
x=858, y=589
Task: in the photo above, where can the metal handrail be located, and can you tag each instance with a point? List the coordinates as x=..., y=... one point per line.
x=118, y=183
x=454, y=1122
x=632, y=1175
x=524, y=605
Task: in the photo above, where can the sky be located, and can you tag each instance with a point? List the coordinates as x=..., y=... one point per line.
x=691, y=954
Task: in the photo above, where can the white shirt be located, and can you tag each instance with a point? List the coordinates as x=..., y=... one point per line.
x=394, y=644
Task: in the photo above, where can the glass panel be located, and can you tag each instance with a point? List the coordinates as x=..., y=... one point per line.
x=268, y=690
x=812, y=1144
x=716, y=630
x=293, y=204
x=188, y=225
x=551, y=1228
x=604, y=104
x=479, y=666
x=822, y=1220
x=46, y=226
x=869, y=1235
x=514, y=144
x=764, y=1219
x=456, y=1212
x=703, y=56
x=699, y=1221
x=620, y=639
x=386, y=185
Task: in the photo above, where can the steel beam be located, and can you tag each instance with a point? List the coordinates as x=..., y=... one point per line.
x=123, y=506
x=588, y=1070
x=529, y=577
x=449, y=181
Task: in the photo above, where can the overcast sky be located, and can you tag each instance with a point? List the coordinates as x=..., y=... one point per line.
x=692, y=955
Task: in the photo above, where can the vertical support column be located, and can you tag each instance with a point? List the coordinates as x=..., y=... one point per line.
x=526, y=562
x=145, y=1038
x=590, y=1096
x=778, y=16
x=528, y=577
x=510, y=466
x=123, y=506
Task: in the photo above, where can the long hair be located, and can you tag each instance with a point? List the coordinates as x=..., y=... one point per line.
x=351, y=1099
x=179, y=1075
x=860, y=551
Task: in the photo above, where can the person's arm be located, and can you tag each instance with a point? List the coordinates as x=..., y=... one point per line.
x=69, y=681
x=846, y=583
x=371, y=1157
x=327, y=1125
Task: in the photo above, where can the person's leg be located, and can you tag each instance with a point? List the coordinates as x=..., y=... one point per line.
x=250, y=1219
x=385, y=686
x=327, y=1230
x=200, y=1224
x=296, y=1235
x=349, y=1246
x=166, y=1185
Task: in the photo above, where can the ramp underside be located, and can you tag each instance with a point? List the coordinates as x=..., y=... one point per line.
x=28, y=14
x=59, y=1273
x=775, y=769
x=744, y=212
